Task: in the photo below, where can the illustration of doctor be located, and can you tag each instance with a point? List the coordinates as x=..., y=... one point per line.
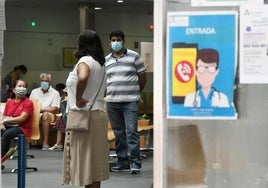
x=207, y=68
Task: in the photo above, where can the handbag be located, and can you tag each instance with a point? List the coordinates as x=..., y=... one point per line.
x=79, y=120
x=9, y=125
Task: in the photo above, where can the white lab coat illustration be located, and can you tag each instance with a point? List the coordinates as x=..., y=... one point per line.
x=218, y=99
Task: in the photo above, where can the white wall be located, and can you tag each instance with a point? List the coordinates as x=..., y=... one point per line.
x=41, y=48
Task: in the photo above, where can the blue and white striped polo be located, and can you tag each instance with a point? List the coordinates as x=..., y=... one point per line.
x=122, y=76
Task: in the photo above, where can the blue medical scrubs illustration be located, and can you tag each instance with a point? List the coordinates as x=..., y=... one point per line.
x=207, y=69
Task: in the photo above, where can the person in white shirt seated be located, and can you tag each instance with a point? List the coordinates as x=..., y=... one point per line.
x=50, y=104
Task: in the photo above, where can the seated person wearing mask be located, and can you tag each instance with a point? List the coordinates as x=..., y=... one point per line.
x=17, y=117
x=50, y=104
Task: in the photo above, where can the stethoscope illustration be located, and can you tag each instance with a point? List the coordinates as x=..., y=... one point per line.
x=195, y=102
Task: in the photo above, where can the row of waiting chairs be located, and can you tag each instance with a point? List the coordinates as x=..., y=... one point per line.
x=143, y=130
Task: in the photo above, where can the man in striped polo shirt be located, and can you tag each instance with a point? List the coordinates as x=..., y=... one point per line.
x=125, y=80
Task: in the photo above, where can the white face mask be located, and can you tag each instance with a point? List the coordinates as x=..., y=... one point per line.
x=44, y=85
x=20, y=91
x=117, y=46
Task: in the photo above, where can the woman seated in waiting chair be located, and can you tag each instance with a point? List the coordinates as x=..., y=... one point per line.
x=17, y=116
x=60, y=123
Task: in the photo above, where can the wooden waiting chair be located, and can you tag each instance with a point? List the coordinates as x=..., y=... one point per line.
x=35, y=136
x=145, y=129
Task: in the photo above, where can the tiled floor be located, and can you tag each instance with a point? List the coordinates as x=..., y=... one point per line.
x=49, y=173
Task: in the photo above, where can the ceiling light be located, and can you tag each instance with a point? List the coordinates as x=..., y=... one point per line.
x=97, y=8
x=120, y=1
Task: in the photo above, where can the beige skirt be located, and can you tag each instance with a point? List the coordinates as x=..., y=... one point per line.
x=86, y=154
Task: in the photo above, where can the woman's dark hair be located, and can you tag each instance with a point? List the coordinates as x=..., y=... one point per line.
x=117, y=33
x=89, y=43
x=23, y=68
x=60, y=87
x=14, y=85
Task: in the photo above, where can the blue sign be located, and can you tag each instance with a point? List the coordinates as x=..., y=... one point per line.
x=202, y=60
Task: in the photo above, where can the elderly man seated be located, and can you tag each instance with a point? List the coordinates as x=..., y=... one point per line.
x=50, y=104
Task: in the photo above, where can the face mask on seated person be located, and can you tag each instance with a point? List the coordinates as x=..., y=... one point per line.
x=20, y=91
x=44, y=85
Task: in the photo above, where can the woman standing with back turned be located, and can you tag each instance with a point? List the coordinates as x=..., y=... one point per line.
x=86, y=157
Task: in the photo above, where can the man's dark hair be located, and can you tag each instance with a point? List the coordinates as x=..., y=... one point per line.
x=117, y=33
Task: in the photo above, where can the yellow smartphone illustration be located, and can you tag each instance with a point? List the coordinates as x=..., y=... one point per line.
x=183, y=68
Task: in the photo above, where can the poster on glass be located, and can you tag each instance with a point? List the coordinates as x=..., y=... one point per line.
x=253, y=44
x=202, y=60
